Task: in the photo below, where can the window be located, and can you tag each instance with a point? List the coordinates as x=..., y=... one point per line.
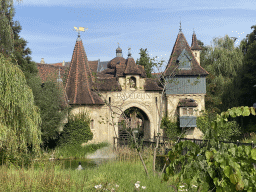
x=92, y=124
x=187, y=111
x=132, y=82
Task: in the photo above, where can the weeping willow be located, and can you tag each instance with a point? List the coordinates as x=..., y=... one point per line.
x=19, y=117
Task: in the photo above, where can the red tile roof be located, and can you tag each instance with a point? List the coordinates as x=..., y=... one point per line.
x=50, y=72
x=179, y=46
x=79, y=79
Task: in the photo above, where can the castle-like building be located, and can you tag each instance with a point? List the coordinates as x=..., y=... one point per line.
x=123, y=85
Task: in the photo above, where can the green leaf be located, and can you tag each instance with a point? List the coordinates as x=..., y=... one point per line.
x=252, y=111
x=232, y=113
x=233, y=178
x=253, y=153
x=227, y=171
x=208, y=154
x=238, y=111
x=232, y=151
x=246, y=111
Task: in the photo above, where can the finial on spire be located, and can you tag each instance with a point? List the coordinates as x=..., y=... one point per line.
x=194, y=31
x=118, y=45
x=180, y=26
x=59, y=77
x=78, y=30
x=129, y=53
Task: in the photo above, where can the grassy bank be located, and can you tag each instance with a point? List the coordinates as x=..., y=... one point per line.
x=120, y=174
x=73, y=151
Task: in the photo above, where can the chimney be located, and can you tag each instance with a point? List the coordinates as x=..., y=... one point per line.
x=42, y=61
x=63, y=63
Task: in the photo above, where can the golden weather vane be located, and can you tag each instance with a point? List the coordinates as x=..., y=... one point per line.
x=80, y=29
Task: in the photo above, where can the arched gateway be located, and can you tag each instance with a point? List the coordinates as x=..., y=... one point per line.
x=107, y=94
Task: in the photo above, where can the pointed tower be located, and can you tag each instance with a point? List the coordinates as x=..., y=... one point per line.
x=79, y=80
x=196, y=49
x=186, y=85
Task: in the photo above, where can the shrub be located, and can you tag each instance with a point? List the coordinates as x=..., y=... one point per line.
x=171, y=128
x=77, y=130
x=228, y=132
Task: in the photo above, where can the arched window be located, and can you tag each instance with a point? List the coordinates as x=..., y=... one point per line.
x=132, y=82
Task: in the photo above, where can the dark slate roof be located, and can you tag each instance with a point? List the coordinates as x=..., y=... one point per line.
x=152, y=85
x=102, y=65
x=194, y=45
x=79, y=79
x=107, y=84
x=172, y=67
x=50, y=72
x=187, y=103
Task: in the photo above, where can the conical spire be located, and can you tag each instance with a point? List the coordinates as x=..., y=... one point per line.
x=181, y=47
x=79, y=80
x=194, y=45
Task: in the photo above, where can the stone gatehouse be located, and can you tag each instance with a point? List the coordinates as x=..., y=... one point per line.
x=123, y=86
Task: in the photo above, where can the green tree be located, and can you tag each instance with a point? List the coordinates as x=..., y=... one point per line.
x=11, y=42
x=248, y=89
x=146, y=62
x=19, y=117
x=50, y=99
x=223, y=61
x=77, y=130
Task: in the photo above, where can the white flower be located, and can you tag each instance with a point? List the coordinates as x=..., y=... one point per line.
x=99, y=186
x=137, y=185
x=138, y=182
x=117, y=185
x=143, y=187
x=194, y=186
x=182, y=186
x=96, y=186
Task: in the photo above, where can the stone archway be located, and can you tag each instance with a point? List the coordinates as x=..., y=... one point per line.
x=136, y=118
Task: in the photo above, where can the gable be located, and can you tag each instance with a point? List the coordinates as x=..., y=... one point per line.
x=184, y=60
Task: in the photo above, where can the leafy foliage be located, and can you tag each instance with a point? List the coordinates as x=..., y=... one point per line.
x=77, y=130
x=215, y=166
x=228, y=132
x=50, y=99
x=171, y=128
x=223, y=61
x=145, y=61
x=19, y=117
x=218, y=167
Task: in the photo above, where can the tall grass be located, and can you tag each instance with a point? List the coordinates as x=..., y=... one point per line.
x=116, y=175
x=76, y=151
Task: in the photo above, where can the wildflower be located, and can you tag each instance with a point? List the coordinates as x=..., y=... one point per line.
x=117, y=185
x=137, y=185
x=143, y=187
x=182, y=186
x=194, y=186
x=138, y=182
x=99, y=185
x=96, y=186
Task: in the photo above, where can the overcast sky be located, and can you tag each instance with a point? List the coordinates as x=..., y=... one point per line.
x=48, y=25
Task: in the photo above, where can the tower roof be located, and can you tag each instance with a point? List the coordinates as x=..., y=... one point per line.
x=79, y=80
x=182, y=50
x=194, y=45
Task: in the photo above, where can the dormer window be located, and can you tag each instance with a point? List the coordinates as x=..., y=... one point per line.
x=132, y=82
x=184, y=60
